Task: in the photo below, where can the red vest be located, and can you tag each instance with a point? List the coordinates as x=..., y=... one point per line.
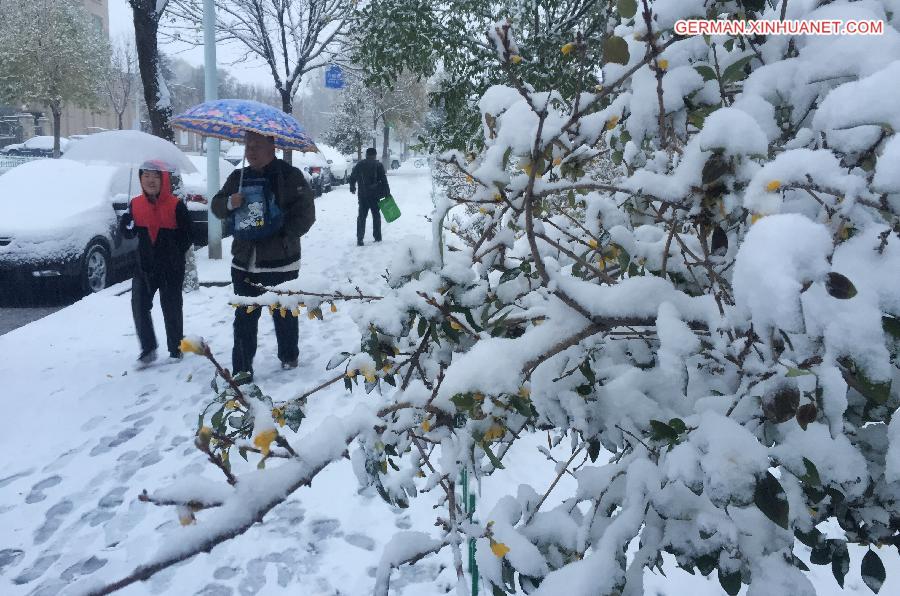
x=156, y=215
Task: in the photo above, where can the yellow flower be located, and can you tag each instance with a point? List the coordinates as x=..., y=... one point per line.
x=557, y=161
x=515, y=58
x=369, y=376
x=478, y=397
x=192, y=345
x=482, y=210
x=186, y=516
x=567, y=49
x=283, y=312
x=231, y=404
x=773, y=185
x=499, y=549
x=278, y=416
x=497, y=197
x=271, y=309
x=251, y=308
x=264, y=440
x=598, y=88
x=494, y=432
x=296, y=311
x=663, y=64
x=333, y=307
x=351, y=373
x=204, y=435
x=386, y=368
x=592, y=243
x=426, y=425
x=469, y=179
x=454, y=325
x=524, y=392
x=755, y=218
x=611, y=123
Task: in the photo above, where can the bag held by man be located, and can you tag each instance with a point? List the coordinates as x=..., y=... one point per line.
x=259, y=217
x=389, y=208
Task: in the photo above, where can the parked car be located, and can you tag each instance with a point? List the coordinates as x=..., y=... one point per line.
x=395, y=163
x=59, y=219
x=315, y=167
x=193, y=189
x=235, y=154
x=41, y=146
x=340, y=167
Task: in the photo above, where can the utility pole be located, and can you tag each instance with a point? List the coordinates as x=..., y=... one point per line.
x=214, y=225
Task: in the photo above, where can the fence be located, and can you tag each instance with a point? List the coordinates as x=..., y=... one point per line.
x=8, y=162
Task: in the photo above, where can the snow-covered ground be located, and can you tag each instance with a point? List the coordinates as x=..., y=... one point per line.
x=83, y=434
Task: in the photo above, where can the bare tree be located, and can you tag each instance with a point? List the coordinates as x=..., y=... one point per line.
x=293, y=37
x=147, y=15
x=403, y=105
x=122, y=77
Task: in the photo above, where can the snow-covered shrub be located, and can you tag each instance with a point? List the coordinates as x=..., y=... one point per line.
x=715, y=328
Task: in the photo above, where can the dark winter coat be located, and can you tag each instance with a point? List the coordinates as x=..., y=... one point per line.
x=371, y=178
x=163, y=229
x=295, y=198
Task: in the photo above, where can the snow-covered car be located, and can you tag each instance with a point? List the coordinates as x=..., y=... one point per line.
x=193, y=189
x=340, y=167
x=59, y=219
x=315, y=167
x=41, y=146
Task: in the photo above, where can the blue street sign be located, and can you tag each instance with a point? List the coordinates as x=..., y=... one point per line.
x=334, y=77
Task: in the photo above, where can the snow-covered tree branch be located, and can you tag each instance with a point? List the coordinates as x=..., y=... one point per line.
x=683, y=274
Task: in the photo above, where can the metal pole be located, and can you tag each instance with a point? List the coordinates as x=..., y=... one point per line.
x=214, y=225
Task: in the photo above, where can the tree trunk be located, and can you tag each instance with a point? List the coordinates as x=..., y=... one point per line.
x=287, y=106
x=57, y=119
x=386, y=147
x=121, y=118
x=145, y=29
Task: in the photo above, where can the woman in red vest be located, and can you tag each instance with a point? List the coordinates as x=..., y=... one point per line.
x=162, y=225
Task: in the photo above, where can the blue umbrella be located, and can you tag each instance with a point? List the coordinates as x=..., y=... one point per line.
x=229, y=119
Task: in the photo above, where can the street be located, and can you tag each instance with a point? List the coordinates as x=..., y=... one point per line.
x=23, y=307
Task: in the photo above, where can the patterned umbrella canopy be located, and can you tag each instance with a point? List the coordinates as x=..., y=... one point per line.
x=229, y=119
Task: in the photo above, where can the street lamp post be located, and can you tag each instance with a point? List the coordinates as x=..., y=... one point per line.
x=214, y=225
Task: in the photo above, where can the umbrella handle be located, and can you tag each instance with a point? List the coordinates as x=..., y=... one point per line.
x=241, y=182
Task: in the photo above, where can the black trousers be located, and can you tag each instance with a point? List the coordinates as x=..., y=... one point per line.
x=143, y=287
x=365, y=207
x=246, y=325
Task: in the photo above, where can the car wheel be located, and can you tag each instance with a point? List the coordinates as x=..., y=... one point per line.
x=95, y=268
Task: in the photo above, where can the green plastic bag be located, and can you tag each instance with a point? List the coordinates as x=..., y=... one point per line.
x=389, y=208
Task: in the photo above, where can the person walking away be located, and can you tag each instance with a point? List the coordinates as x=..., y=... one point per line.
x=370, y=177
x=270, y=205
x=162, y=225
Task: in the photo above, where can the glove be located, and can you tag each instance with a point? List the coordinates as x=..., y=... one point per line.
x=128, y=221
x=352, y=189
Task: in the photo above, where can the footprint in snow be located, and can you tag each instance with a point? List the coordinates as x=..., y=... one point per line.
x=215, y=590
x=63, y=460
x=10, y=557
x=37, y=491
x=53, y=519
x=92, y=423
x=325, y=528
x=360, y=541
x=85, y=567
x=37, y=569
x=14, y=477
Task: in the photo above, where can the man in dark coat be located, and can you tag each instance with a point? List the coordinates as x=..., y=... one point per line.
x=371, y=178
x=271, y=260
x=163, y=227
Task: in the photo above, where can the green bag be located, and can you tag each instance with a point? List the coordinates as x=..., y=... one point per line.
x=389, y=208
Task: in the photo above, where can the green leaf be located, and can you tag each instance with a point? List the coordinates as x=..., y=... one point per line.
x=241, y=377
x=812, y=473
x=731, y=582
x=821, y=554
x=706, y=72
x=729, y=45
x=706, y=564
x=716, y=167
x=797, y=372
x=872, y=570
x=770, y=498
x=348, y=384
x=496, y=462
x=615, y=49
x=811, y=539
x=626, y=8
x=678, y=425
x=735, y=72
x=660, y=431
x=891, y=326
x=213, y=385
x=838, y=286
x=521, y=405
x=463, y=401
x=594, y=449
x=840, y=562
